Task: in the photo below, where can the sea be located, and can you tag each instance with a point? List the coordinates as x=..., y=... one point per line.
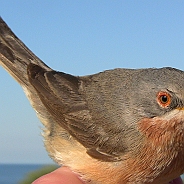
x=14, y=173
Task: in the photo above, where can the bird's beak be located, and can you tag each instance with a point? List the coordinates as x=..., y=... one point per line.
x=180, y=108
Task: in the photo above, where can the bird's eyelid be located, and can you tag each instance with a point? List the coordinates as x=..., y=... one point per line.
x=163, y=99
x=178, y=104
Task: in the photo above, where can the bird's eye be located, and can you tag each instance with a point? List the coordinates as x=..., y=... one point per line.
x=164, y=99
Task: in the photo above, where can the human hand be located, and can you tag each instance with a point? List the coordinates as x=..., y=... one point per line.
x=62, y=175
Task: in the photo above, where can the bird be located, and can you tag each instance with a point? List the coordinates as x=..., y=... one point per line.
x=119, y=126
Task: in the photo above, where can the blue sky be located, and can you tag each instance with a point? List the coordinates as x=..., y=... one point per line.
x=80, y=38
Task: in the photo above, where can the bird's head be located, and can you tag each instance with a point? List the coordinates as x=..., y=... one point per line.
x=157, y=92
x=157, y=99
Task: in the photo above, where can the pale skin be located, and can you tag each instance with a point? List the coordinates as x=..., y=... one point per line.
x=64, y=175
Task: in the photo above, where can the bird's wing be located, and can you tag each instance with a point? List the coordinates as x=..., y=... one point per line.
x=62, y=95
x=56, y=96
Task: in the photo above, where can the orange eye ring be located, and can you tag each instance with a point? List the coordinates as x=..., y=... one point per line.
x=163, y=99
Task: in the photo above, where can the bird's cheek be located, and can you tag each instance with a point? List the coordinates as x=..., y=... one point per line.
x=163, y=130
x=163, y=138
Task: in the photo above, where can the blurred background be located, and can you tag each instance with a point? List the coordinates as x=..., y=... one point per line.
x=81, y=38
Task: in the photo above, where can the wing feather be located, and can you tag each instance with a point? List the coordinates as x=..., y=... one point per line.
x=61, y=95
